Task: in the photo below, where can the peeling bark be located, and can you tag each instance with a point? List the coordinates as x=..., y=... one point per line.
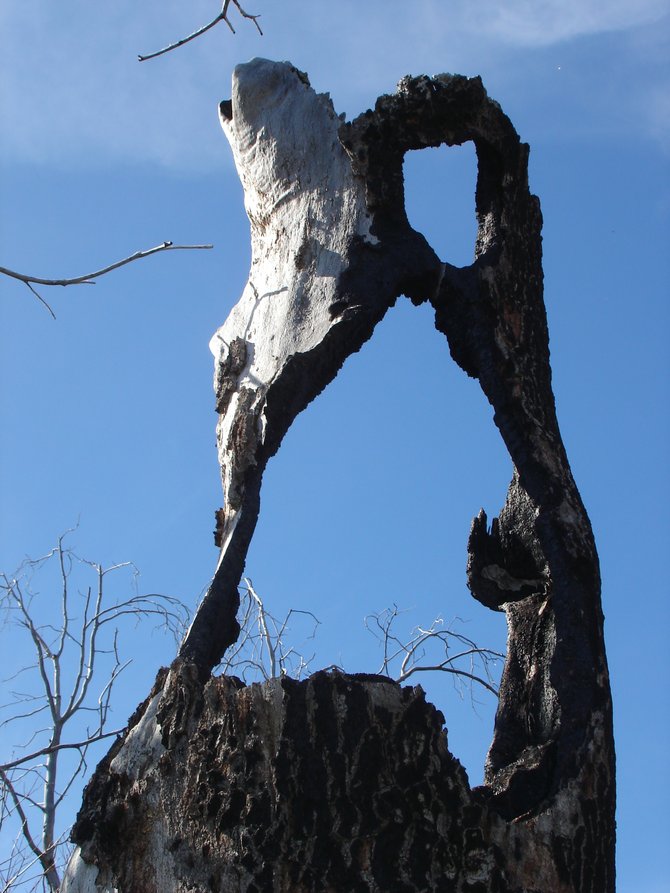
x=342, y=782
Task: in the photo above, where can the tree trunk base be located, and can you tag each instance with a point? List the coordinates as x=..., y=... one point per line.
x=336, y=783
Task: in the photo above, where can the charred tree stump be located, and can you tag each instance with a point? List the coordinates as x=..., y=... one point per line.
x=345, y=783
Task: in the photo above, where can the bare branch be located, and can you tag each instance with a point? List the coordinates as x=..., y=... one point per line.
x=19, y=716
x=55, y=748
x=74, y=775
x=266, y=638
x=445, y=668
x=412, y=651
x=221, y=17
x=89, y=278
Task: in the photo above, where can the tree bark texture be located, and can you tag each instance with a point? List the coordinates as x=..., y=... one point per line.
x=342, y=782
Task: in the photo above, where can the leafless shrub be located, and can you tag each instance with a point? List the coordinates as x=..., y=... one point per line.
x=57, y=706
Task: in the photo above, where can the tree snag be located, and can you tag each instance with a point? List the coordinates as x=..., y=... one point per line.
x=343, y=782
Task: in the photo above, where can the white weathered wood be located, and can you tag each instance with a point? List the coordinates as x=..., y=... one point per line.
x=305, y=207
x=80, y=877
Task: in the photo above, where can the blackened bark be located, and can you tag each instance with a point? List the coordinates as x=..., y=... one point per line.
x=342, y=783
x=335, y=783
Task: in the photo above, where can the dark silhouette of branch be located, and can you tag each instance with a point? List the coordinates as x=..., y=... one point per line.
x=88, y=278
x=221, y=17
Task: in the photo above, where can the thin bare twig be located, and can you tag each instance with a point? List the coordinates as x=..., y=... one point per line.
x=221, y=17
x=39, y=297
x=89, y=278
x=445, y=668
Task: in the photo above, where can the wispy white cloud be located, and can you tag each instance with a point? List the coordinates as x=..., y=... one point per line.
x=652, y=45
x=657, y=109
x=72, y=91
x=545, y=22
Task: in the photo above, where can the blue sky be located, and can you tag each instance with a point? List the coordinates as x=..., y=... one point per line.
x=108, y=411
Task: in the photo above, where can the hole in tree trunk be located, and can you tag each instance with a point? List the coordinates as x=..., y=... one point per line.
x=440, y=199
x=368, y=504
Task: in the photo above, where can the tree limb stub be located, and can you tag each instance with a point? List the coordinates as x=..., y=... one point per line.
x=332, y=250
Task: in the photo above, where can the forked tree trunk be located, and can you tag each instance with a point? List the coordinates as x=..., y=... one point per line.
x=345, y=783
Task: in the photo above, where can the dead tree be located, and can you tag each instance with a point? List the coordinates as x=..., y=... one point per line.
x=345, y=783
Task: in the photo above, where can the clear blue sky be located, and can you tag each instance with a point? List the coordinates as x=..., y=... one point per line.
x=108, y=411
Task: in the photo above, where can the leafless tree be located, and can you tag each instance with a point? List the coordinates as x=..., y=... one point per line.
x=58, y=705
x=89, y=278
x=221, y=17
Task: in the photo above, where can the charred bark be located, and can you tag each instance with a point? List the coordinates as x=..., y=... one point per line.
x=340, y=782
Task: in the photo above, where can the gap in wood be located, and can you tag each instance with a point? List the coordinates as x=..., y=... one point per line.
x=369, y=502
x=440, y=199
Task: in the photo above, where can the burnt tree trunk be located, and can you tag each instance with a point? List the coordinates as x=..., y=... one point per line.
x=345, y=783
